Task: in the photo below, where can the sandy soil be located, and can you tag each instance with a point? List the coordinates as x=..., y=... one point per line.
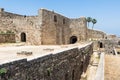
x=112, y=67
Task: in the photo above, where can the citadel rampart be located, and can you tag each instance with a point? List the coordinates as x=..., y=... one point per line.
x=96, y=35
x=47, y=28
x=64, y=65
x=21, y=24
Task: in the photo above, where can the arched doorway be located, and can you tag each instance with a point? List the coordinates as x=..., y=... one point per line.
x=73, y=39
x=23, y=37
x=101, y=45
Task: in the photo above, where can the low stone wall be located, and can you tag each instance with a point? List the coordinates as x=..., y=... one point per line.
x=7, y=38
x=96, y=35
x=100, y=70
x=105, y=45
x=65, y=65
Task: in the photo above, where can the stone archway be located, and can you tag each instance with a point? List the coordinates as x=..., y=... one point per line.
x=73, y=39
x=23, y=37
x=101, y=45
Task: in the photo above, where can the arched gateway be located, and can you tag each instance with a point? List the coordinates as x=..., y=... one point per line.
x=73, y=39
x=23, y=37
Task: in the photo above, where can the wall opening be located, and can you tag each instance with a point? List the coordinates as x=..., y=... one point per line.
x=101, y=45
x=55, y=18
x=118, y=52
x=73, y=39
x=23, y=37
x=63, y=21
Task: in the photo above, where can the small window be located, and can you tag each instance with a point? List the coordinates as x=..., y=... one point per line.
x=55, y=18
x=63, y=21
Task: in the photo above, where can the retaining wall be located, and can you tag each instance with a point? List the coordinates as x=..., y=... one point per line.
x=65, y=65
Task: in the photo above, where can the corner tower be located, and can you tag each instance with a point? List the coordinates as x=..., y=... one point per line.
x=79, y=28
x=54, y=28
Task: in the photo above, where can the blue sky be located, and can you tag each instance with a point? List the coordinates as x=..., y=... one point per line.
x=106, y=12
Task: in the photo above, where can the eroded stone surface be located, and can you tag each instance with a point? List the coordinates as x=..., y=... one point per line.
x=48, y=27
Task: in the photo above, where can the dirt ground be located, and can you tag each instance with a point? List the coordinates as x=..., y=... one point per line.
x=112, y=67
x=8, y=51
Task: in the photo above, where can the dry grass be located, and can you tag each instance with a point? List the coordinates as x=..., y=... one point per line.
x=112, y=67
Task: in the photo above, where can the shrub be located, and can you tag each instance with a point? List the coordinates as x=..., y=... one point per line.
x=3, y=71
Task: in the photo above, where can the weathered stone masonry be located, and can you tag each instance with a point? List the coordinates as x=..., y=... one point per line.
x=65, y=65
x=47, y=28
x=10, y=38
x=21, y=24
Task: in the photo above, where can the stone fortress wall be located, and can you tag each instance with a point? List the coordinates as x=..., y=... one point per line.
x=96, y=35
x=63, y=65
x=55, y=28
x=20, y=24
x=79, y=28
x=48, y=28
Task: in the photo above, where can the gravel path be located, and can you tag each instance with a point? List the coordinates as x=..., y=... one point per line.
x=112, y=67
